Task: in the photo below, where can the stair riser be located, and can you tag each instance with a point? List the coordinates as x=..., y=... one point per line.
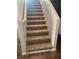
x=37, y=34
x=35, y=23
x=36, y=28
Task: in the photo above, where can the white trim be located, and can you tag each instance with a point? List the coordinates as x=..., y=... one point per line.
x=22, y=35
x=20, y=5
x=56, y=32
x=53, y=49
x=25, y=11
x=48, y=50
x=22, y=24
x=23, y=53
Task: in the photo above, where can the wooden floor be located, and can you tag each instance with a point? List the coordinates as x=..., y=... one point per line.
x=45, y=55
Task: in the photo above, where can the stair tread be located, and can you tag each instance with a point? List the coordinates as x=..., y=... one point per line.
x=37, y=31
x=33, y=2
x=33, y=9
x=34, y=6
x=35, y=20
x=38, y=39
x=32, y=33
x=44, y=37
x=35, y=17
x=36, y=28
x=34, y=12
x=40, y=46
x=36, y=25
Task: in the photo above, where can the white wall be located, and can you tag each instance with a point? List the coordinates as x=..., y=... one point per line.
x=52, y=20
x=20, y=4
x=21, y=21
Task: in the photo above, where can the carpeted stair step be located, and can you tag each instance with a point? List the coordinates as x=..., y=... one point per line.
x=36, y=27
x=35, y=23
x=37, y=33
x=38, y=47
x=34, y=14
x=35, y=17
x=38, y=39
x=34, y=10
x=33, y=6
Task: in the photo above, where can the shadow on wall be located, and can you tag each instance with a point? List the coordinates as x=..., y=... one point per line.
x=57, y=5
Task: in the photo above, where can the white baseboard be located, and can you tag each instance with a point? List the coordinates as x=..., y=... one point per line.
x=24, y=53
x=53, y=49
x=39, y=51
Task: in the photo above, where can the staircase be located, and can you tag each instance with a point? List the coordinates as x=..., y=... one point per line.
x=38, y=25
x=37, y=30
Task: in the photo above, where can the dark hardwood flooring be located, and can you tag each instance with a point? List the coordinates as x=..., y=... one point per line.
x=44, y=55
